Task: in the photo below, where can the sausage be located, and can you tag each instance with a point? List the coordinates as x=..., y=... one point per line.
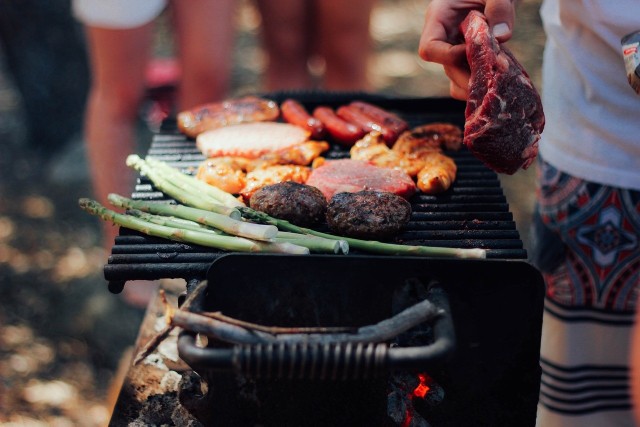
x=294, y=113
x=353, y=115
x=340, y=130
x=194, y=121
x=382, y=117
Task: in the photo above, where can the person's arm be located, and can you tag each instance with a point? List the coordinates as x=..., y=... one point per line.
x=442, y=43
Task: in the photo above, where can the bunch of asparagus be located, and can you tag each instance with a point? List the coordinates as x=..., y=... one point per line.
x=208, y=216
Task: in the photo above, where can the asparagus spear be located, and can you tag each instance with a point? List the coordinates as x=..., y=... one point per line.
x=313, y=243
x=367, y=245
x=192, y=184
x=170, y=221
x=231, y=243
x=212, y=219
x=183, y=194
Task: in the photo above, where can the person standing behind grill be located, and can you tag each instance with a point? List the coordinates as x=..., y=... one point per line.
x=297, y=32
x=120, y=36
x=587, y=223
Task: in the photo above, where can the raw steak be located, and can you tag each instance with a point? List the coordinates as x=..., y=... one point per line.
x=504, y=117
x=337, y=176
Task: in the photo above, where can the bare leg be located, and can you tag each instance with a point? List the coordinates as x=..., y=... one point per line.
x=284, y=29
x=205, y=32
x=345, y=42
x=118, y=60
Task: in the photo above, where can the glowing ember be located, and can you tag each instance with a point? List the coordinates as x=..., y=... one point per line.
x=169, y=310
x=421, y=389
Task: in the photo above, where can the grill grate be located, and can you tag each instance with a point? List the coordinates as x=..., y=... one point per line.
x=472, y=213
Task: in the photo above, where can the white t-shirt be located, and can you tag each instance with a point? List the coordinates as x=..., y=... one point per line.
x=592, y=114
x=117, y=14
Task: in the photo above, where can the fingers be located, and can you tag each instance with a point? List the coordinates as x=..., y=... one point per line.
x=501, y=15
x=458, y=82
x=437, y=42
x=441, y=42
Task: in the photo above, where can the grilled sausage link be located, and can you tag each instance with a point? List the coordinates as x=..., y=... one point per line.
x=295, y=113
x=353, y=115
x=341, y=131
x=194, y=121
x=383, y=118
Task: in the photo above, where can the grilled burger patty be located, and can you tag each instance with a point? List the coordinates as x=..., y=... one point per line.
x=367, y=214
x=297, y=203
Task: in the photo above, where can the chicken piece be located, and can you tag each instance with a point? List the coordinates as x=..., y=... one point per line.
x=300, y=154
x=437, y=174
x=373, y=148
x=226, y=173
x=434, y=136
x=318, y=161
x=258, y=178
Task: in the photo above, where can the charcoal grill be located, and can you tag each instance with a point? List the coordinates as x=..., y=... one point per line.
x=495, y=305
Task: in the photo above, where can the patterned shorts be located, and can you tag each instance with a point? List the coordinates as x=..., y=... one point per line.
x=587, y=241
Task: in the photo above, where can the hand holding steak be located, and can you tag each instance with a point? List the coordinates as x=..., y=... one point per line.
x=504, y=117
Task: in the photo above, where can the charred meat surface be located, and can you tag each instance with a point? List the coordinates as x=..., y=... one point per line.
x=258, y=178
x=226, y=173
x=437, y=174
x=432, y=136
x=295, y=113
x=504, y=117
x=215, y=115
x=297, y=203
x=371, y=215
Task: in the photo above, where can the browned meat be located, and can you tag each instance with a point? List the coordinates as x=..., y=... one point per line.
x=226, y=173
x=258, y=178
x=437, y=174
x=433, y=136
x=373, y=148
x=346, y=175
x=295, y=113
x=371, y=215
x=391, y=124
x=434, y=170
x=299, y=204
x=504, y=117
x=231, y=112
x=339, y=130
x=299, y=154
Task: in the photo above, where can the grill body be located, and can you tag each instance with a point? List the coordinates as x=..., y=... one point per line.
x=491, y=378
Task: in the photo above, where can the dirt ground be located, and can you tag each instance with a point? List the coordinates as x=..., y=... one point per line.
x=62, y=334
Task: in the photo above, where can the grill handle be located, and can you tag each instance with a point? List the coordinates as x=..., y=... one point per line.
x=325, y=361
